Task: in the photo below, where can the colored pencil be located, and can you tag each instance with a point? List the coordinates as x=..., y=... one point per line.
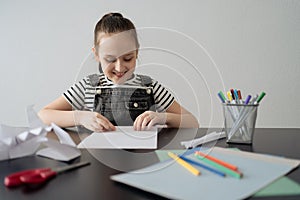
x=220, y=167
x=203, y=166
x=183, y=163
x=225, y=164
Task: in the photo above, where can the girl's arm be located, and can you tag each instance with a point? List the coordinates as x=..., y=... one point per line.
x=60, y=112
x=177, y=116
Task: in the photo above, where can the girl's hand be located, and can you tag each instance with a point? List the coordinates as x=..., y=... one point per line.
x=148, y=119
x=93, y=121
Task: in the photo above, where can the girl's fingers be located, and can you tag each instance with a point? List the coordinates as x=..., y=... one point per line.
x=145, y=122
x=138, y=122
x=159, y=119
x=135, y=123
x=105, y=122
x=151, y=124
x=142, y=121
x=101, y=122
x=96, y=127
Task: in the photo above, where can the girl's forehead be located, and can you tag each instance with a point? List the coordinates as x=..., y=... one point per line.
x=116, y=44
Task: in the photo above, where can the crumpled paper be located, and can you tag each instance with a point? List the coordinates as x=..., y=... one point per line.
x=16, y=142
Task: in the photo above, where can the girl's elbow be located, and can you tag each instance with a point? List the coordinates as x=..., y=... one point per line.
x=196, y=124
x=194, y=121
x=43, y=116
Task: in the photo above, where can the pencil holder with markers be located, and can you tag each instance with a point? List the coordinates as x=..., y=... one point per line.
x=240, y=122
x=239, y=116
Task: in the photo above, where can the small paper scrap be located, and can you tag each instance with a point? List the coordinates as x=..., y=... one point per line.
x=207, y=138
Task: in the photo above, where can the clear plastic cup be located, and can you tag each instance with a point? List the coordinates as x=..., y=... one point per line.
x=240, y=122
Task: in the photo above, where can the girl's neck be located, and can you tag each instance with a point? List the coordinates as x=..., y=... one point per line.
x=131, y=78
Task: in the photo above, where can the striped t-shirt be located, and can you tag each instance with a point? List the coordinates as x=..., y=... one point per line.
x=82, y=94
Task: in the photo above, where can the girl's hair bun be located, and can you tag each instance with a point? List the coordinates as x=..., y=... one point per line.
x=114, y=22
x=113, y=15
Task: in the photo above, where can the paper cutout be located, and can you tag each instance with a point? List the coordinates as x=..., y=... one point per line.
x=16, y=142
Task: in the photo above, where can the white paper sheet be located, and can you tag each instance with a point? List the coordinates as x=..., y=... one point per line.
x=57, y=151
x=125, y=137
x=63, y=136
x=63, y=150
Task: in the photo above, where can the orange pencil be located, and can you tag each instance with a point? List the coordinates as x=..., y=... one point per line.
x=225, y=164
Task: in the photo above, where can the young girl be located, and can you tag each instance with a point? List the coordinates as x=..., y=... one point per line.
x=116, y=96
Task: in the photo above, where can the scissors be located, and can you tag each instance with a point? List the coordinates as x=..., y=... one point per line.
x=38, y=176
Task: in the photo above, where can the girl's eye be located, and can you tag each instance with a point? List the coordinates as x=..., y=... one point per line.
x=110, y=60
x=127, y=59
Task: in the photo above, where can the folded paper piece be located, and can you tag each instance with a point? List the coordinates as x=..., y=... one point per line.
x=207, y=138
x=58, y=151
x=125, y=137
x=16, y=142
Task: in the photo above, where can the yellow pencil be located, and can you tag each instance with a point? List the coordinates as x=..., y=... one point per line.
x=184, y=164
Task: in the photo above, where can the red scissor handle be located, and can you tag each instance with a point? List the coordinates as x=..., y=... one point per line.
x=33, y=176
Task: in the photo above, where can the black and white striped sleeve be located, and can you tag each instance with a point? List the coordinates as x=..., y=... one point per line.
x=163, y=97
x=75, y=94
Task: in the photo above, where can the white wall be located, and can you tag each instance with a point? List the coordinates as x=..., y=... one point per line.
x=250, y=45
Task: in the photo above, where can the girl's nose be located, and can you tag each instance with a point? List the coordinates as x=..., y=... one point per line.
x=119, y=65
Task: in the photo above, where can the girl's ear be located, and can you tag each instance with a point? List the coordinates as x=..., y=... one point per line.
x=94, y=50
x=137, y=52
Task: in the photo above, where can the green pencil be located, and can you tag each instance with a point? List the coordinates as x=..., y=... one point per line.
x=220, y=167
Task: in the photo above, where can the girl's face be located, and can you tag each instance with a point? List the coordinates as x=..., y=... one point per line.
x=117, y=54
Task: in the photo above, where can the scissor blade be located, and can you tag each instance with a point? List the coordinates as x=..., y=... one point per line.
x=70, y=167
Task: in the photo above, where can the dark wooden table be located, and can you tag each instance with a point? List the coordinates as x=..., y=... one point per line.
x=93, y=181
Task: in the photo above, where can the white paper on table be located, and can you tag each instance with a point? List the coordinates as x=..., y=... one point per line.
x=64, y=150
x=57, y=151
x=63, y=136
x=26, y=148
x=125, y=137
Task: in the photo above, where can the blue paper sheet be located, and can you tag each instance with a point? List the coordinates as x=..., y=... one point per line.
x=171, y=180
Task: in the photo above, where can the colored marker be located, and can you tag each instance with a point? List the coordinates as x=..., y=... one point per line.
x=232, y=94
x=229, y=96
x=222, y=97
x=225, y=164
x=183, y=163
x=236, y=96
x=203, y=166
x=254, y=99
x=247, y=99
x=260, y=97
x=239, y=94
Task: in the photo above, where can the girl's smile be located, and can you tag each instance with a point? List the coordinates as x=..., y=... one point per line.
x=119, y=74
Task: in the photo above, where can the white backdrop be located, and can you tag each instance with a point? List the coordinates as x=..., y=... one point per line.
x=195, y=49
